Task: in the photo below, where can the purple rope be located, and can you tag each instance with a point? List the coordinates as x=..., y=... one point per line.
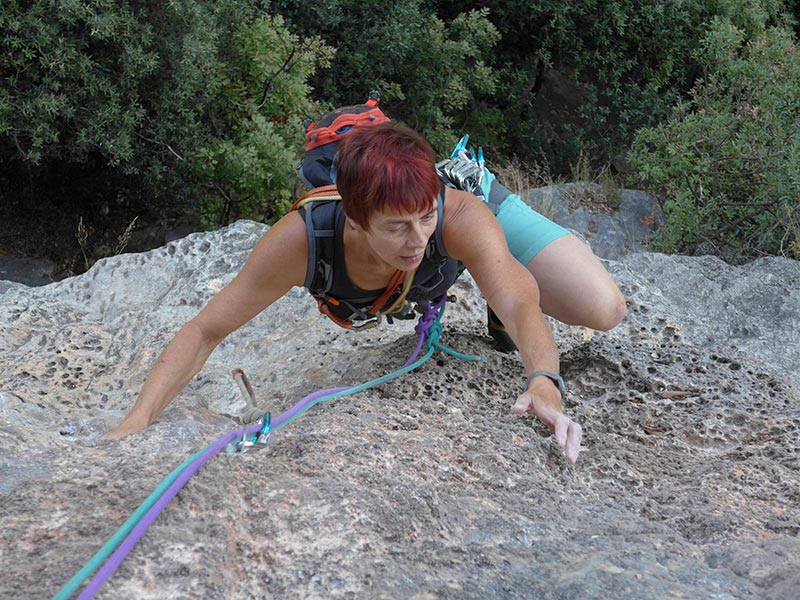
x=130, y=541
x=297, y=408
x=144, y=523
x=423, y=326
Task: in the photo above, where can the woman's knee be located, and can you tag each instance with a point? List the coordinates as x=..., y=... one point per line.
x=596, y=304
x=601, y=308
x=574, y=286
x=609, y=311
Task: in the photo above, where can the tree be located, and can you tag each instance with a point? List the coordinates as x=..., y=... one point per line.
x=728, y=161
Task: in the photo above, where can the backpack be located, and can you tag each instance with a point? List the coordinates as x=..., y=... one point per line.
x=323, y=136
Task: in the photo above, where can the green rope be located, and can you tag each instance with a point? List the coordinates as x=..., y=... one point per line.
x=359, y=388
x=97, y=560
x=432, y=344
x=433, y=341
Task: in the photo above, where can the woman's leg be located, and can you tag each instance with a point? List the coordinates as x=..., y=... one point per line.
x=574, y=287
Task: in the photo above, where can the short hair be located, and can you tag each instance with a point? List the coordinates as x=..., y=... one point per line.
x=385, y=167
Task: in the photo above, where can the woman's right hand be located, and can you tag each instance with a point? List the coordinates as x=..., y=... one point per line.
x=130, y=424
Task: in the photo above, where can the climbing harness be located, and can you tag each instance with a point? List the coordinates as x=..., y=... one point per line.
x=345, y=305
x=239, y=441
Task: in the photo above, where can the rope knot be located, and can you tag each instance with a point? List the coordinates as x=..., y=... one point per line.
x=427, y=319
x=434, y=334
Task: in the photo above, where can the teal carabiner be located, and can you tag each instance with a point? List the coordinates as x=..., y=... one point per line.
x=461, y=145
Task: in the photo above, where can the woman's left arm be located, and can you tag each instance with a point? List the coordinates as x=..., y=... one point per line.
x=472, y=235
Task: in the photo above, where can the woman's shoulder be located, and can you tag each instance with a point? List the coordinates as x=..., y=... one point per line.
x=289, y=229
x=284, y=246
x=457, y=204
x=468, y=224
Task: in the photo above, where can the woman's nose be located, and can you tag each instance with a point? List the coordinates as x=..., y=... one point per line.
x=418, y=237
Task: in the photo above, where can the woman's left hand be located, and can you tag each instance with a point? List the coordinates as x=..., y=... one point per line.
x=544, y=402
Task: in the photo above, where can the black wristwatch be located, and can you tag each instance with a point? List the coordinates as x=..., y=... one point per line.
x=554, y=377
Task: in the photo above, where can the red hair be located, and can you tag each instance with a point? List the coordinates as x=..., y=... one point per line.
x=385, y=167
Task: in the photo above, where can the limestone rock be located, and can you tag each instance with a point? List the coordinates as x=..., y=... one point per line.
x=428, y=487
x=625, y=225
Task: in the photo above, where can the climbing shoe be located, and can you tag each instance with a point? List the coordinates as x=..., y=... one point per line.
x=502, y=341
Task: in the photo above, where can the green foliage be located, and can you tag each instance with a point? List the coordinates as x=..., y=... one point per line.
x=249, y=169
x=728, y=161
x=444, y=72
x=428, y=70
x=156, y=97
x=120, y=88
x=585, y=75
x=71, y=77
x=173, y=101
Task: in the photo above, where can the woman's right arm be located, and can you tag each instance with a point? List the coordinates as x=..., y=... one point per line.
x=276, y=264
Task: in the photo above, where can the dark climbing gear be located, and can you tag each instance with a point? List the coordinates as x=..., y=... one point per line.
x=326, y=274
x=502, y=341
x=322, y=138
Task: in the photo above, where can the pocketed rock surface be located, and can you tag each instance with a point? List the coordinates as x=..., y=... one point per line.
x=687, y=485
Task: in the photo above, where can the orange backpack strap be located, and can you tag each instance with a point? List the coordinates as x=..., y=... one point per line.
x=374, y=311
x=325, y=192
x=396, y=280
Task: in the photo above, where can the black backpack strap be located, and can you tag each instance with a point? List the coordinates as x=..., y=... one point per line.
x=320, y=220
x=440, y=219
x=312, y=245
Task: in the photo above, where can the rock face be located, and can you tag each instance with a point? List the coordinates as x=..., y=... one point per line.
x=613, y=233
x=688, y=485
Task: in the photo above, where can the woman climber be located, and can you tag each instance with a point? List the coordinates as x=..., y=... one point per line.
x=396, y=220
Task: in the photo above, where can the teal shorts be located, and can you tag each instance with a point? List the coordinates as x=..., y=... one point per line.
x=527, y=232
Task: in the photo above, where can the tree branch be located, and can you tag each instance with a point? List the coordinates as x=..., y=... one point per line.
x=167, y=146
x=268, y=83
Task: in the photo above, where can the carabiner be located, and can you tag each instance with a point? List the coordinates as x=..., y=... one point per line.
x=247, y=442
x=374, y=321
x=462, y=143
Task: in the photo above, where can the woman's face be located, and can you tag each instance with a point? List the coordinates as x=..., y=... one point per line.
x=400, y=239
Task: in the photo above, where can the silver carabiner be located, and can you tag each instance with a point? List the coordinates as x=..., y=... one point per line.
x=367, y=323
x=255, y=442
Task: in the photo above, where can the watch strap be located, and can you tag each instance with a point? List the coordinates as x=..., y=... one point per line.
x=554, y=377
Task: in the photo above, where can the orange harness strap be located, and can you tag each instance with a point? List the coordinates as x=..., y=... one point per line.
x=396, y=280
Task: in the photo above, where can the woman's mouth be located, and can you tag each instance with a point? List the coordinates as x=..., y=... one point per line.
x=413, y=259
